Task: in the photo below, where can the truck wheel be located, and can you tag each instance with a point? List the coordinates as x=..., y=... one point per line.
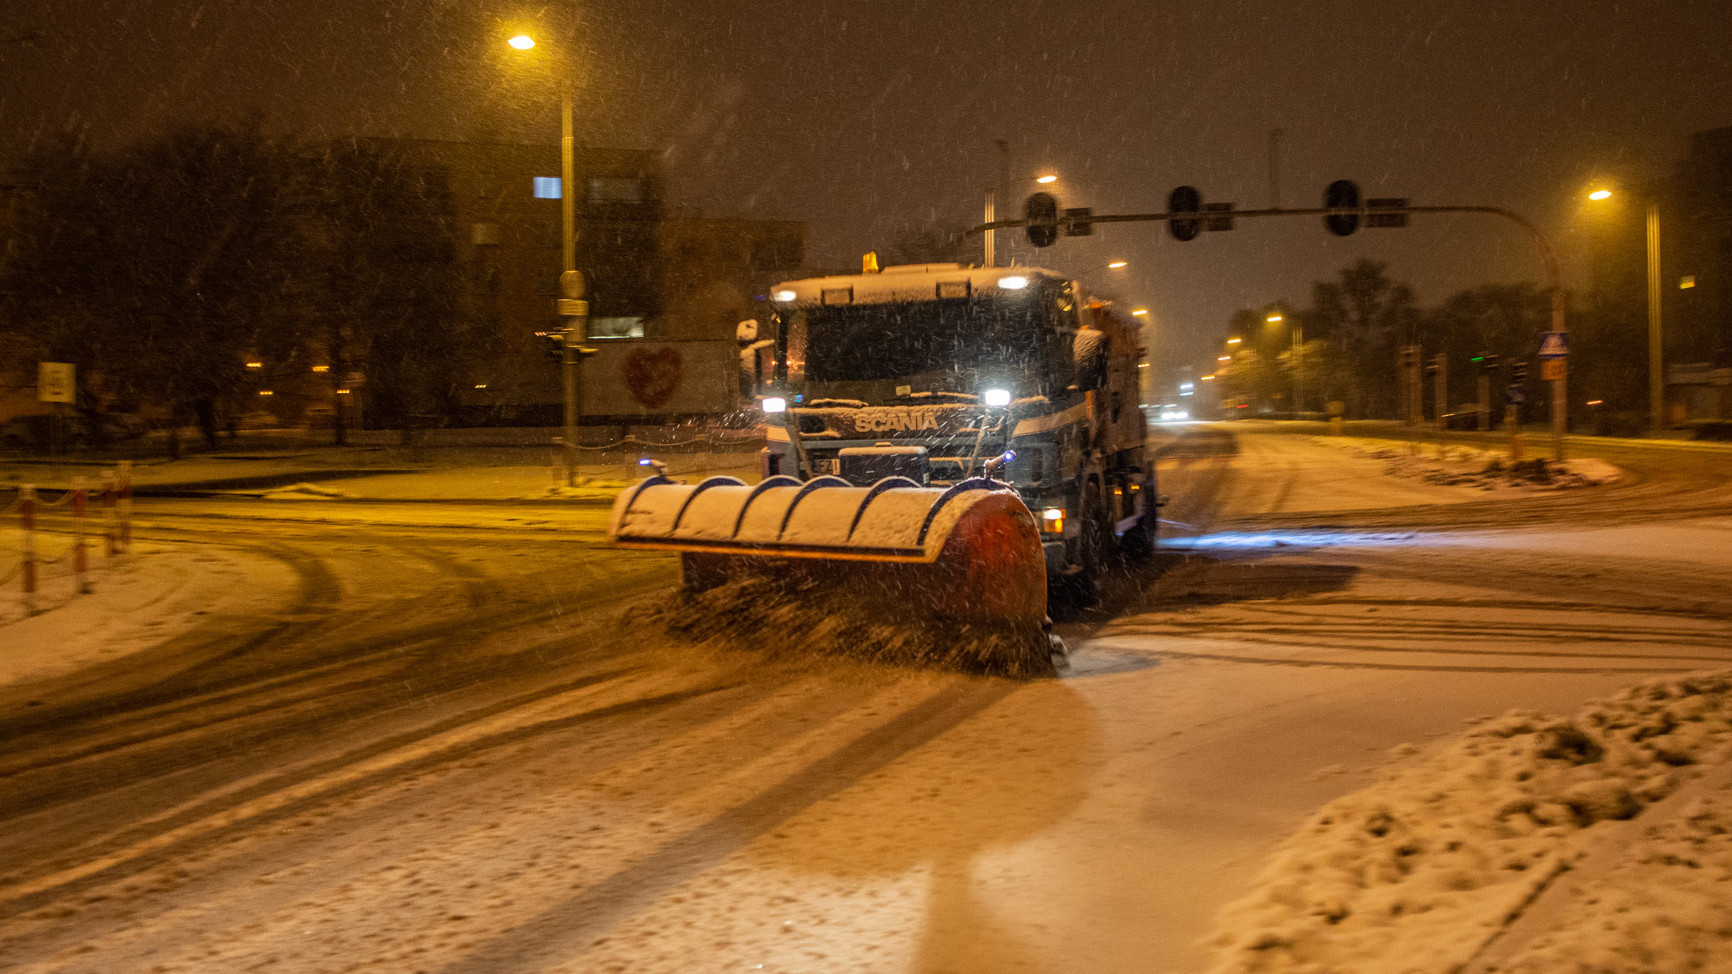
x=1082, y=588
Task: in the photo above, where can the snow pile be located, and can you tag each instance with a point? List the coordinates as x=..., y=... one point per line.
x=796, y=615
x=1489, y=469
x=1421, y=871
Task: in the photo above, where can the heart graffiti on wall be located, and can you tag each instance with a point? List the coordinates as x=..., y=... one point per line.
x=653, y=375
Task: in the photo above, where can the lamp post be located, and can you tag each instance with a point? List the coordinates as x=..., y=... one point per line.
x=1295, y=341
x=1656, y=374
x=572, y=305
x=1001, y=185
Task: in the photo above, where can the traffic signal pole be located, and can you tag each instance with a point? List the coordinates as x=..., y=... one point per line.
x=1351, y=215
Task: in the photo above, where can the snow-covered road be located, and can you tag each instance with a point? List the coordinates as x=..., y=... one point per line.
x=454, y=747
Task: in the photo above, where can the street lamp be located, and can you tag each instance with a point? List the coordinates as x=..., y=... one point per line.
x=989, y=254
x=573, y=306
x=1656, y=377
x=1296, y=340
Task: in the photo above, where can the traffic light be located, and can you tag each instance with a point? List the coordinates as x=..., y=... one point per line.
x=1184, y=199
x=1342, y=196
x=1040, y=214
x=552, y=344
x=1488, y=363
x=1518, y=372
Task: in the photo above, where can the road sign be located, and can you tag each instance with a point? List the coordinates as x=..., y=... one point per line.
x=1514, y=394
x=1078, y=221
x=1554, y=344
x=54, y=382
x=1376, y=219
x=1552, y=368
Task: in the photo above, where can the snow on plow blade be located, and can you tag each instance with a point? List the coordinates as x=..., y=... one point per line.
x=969, y=553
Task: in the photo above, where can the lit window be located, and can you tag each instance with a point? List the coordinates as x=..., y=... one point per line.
x=1687, y=281
x=547, y=188
x=616, y=327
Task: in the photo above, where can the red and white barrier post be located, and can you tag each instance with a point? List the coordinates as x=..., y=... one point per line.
x=80, y=562
x=27, y=522
x=110, y=524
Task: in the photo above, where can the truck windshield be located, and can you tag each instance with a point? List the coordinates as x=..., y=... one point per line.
x=867, y=342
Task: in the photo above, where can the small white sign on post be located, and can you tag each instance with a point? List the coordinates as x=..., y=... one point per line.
x=54, y=382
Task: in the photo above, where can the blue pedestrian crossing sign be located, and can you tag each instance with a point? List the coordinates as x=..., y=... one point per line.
x=1554, y=344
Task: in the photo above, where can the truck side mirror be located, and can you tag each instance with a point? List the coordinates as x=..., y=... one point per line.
x=1089, y=358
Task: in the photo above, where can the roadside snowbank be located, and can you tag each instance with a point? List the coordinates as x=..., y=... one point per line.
x=1425, y=870
x=1488, y=470
x=158, y=592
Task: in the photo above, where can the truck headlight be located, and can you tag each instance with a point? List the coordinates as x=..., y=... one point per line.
x=996, y=397
x=775, y=404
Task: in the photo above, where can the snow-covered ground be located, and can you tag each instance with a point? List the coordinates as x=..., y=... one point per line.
x=154, y=593
x=1612, y=826
x=1095, y=822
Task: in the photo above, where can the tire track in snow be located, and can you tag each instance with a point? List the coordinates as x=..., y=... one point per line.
x=559, y=933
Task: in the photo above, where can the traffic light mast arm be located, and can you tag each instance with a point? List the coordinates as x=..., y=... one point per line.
x=1548, y=256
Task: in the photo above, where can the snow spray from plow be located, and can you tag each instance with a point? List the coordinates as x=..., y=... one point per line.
x=963, y=561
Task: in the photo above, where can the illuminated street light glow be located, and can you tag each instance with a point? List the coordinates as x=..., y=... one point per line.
x=1207, y=378
x=1044, y=180
x=1234, y=341
x=1600, y=194
x=1224, y=358
x=1115, y=265
x=1274, y=318
x=522, y=42
x=1140, y=312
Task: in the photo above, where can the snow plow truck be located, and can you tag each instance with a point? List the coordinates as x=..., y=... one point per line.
x=965, y=442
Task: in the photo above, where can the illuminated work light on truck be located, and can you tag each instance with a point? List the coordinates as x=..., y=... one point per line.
x=785, y=297
x=1052, y=520
x=996, y=397
x=775, y=404
x=1014, y=282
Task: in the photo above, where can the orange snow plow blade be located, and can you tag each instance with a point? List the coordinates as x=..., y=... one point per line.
x=969, y=553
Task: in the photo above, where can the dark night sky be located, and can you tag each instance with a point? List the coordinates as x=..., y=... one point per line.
x=857, y=116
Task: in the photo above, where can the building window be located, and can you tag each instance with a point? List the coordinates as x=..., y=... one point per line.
x=547, y=188
x=615, y=189
x=616, y=327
